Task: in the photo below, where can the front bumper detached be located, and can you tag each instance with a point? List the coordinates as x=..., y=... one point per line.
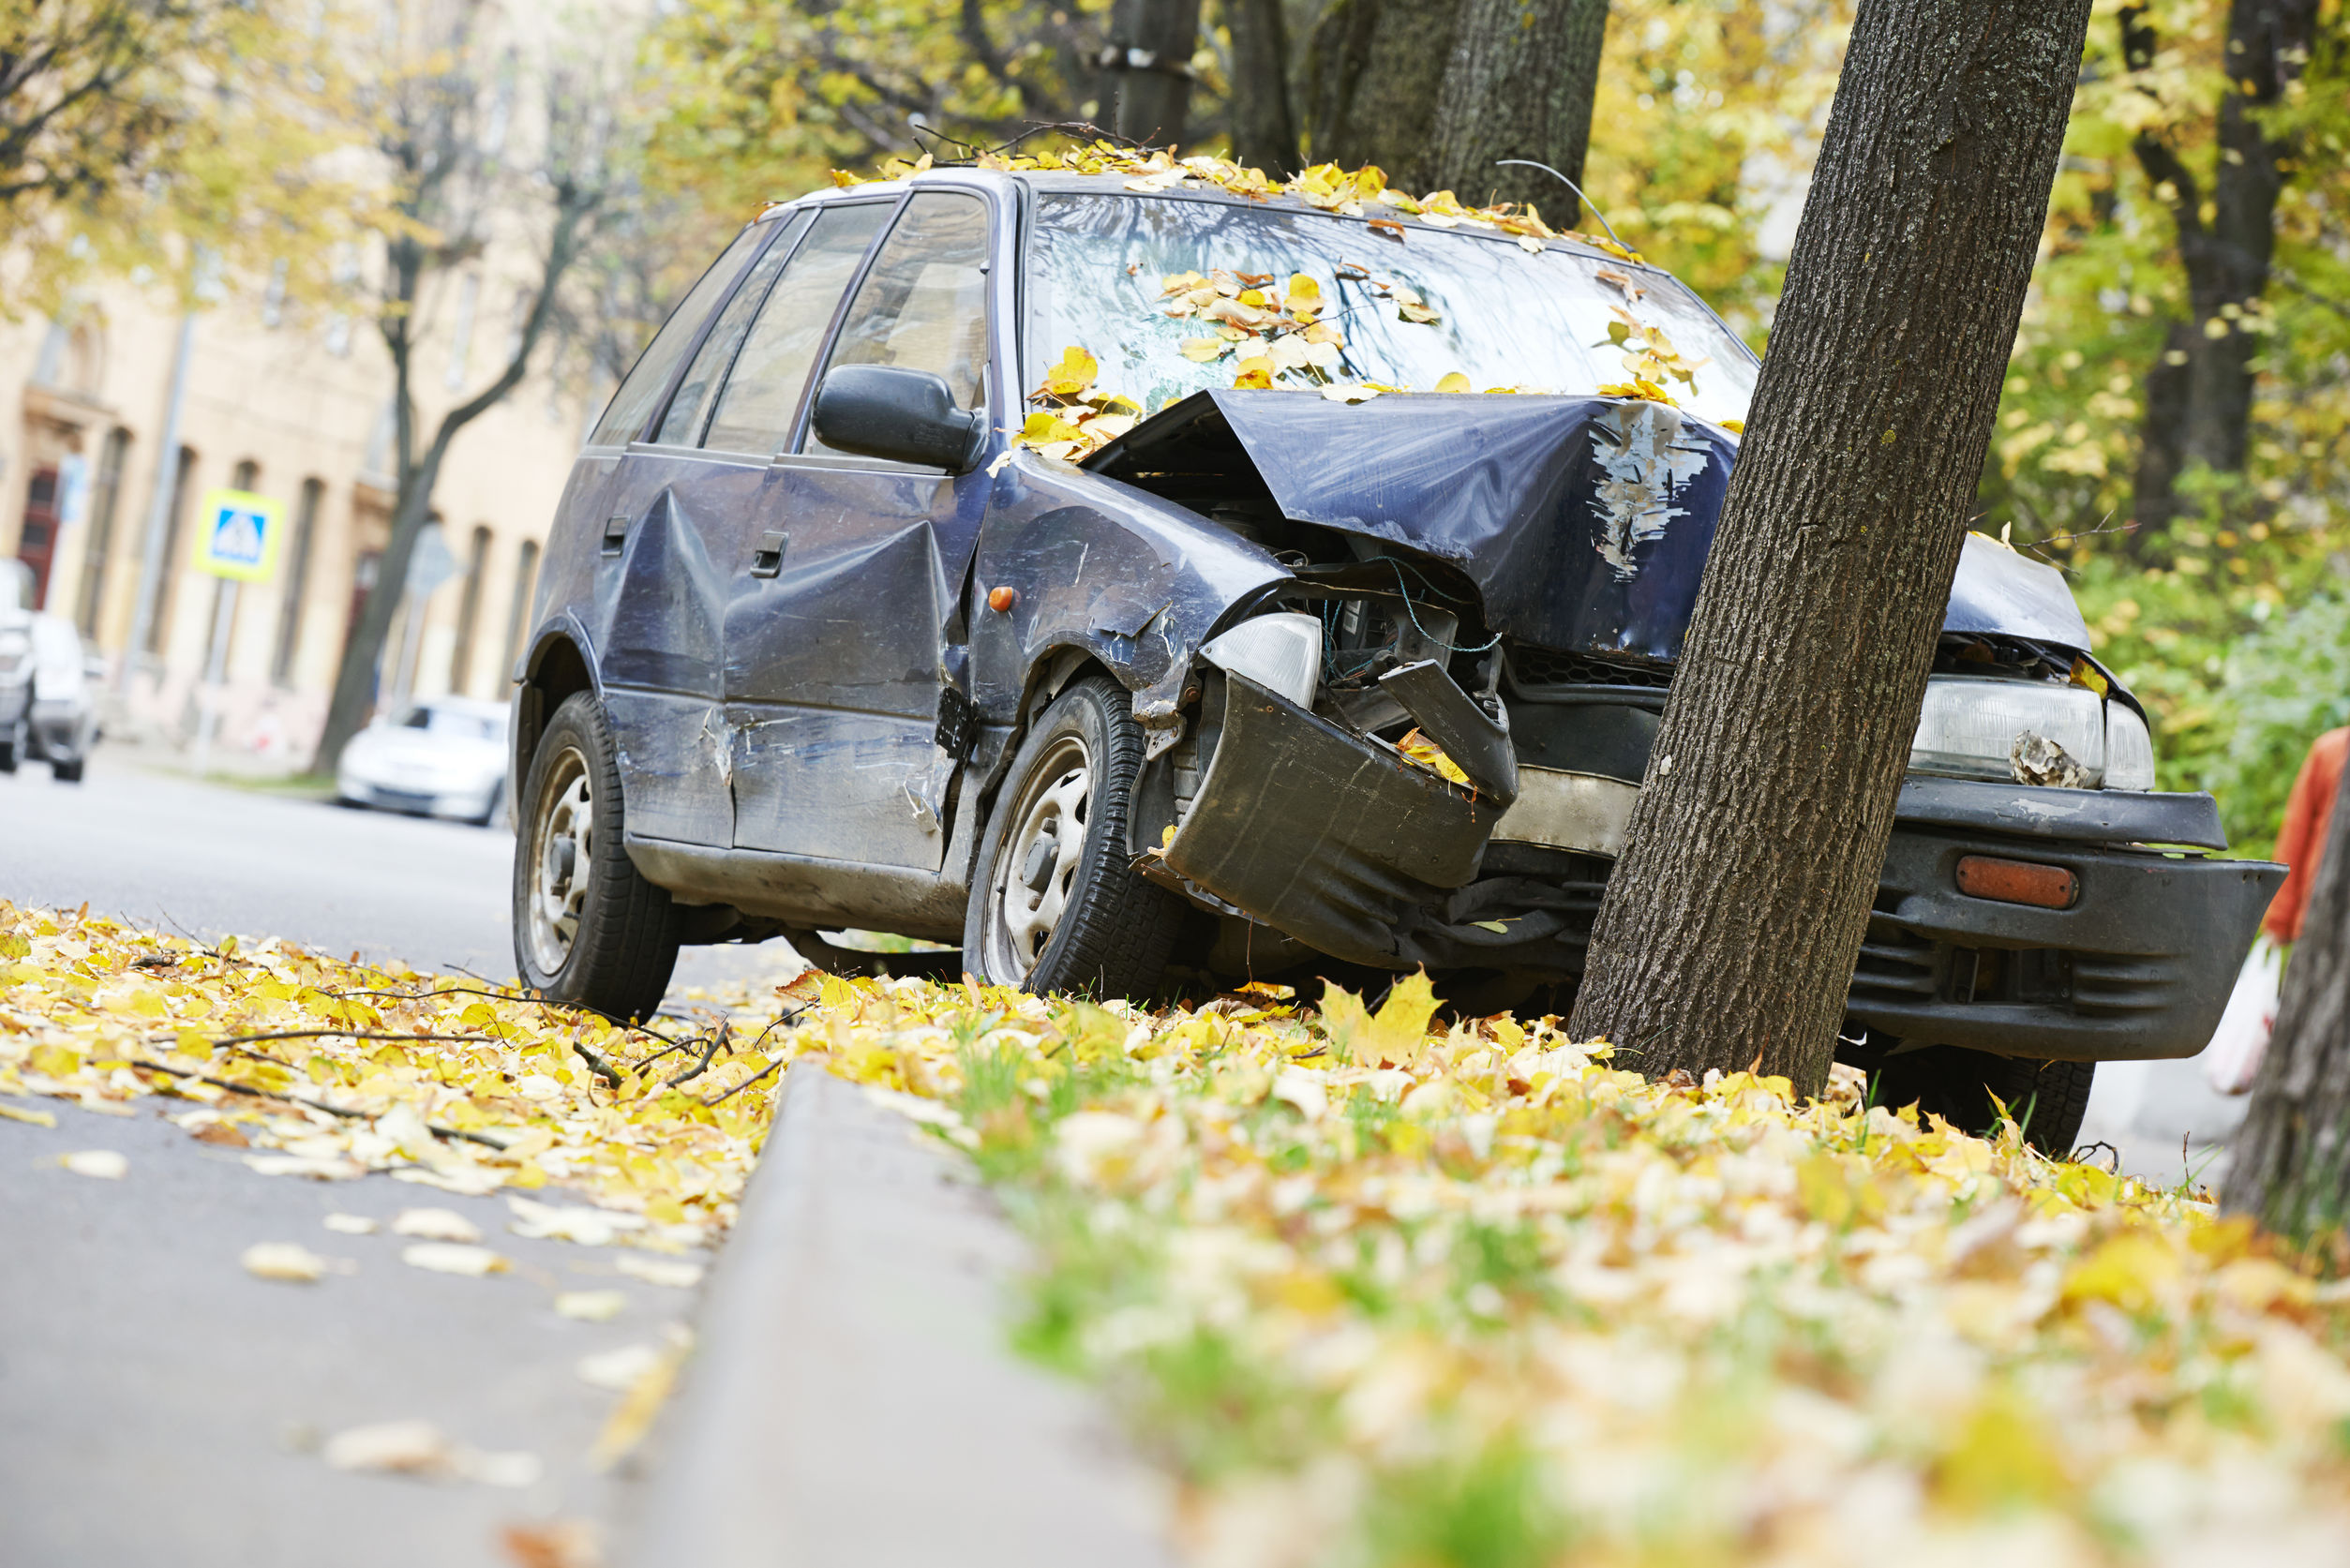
x=1340, y=843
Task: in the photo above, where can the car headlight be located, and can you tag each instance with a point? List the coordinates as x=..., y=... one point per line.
x=1969, y=725
x=2129, y=749
x=1281, y=652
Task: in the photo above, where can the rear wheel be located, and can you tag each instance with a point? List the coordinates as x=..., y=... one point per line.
x=2047, y=1098
x=588, y=927
x=67, y=772
x=1054, y=904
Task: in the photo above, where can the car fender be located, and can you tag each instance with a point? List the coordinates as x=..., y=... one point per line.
x=560, y=659
x=1073, y=567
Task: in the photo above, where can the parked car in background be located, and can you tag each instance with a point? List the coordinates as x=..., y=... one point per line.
x=847, y=621
x=49, y=685
x=446, y=757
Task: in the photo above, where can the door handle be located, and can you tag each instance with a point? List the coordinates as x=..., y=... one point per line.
x=768, y=560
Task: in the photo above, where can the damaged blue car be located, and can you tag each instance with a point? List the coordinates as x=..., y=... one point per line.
x=1133, y=586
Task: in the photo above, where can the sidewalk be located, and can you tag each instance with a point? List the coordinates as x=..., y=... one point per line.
x=854, y=1401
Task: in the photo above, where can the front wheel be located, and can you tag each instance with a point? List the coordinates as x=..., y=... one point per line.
x=588, y=927
x=1054, y=904
x=2046, y=1099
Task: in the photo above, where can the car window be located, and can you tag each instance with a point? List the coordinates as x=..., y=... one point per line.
x=923, y=304
x=683, y=424
x=762, y=395
x=642, y=388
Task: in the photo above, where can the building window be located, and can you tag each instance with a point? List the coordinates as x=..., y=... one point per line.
x=469, y=612
x=105, y=496
x=297, y=584
x=175, y=530
x=526, y=571
x=245, y=475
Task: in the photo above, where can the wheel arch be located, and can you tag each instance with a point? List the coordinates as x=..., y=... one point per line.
x=558, y=665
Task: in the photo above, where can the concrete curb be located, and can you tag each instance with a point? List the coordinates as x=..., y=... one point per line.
x=853, y=1399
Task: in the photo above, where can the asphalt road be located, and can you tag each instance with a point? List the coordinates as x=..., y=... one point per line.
x=157, y=1404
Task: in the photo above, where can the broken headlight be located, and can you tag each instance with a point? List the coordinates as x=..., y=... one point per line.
x=1281, y=652
x=1969, y=728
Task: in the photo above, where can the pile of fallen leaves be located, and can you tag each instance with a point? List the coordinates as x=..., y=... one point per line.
x=1385, y=1291
x=1378, y=1288
x=330, y=1070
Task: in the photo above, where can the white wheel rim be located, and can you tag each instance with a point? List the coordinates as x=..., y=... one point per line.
x=562, y=844
x=1036, y=868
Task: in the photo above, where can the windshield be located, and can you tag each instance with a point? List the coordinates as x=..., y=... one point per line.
x=1107, y=274
x=455, y=723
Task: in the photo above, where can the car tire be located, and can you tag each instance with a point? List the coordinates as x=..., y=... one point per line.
x=1056, y=904
x=2048, y=1098
x=588, y=927
x=67, y=772
x=8, y=754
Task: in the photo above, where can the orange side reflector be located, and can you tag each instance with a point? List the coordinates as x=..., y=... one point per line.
x=2018, y=882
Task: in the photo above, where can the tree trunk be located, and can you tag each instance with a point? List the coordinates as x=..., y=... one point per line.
x=1520, y=84
x=1146, y=69
x=1374, y=80
x=1731, y=922
x=355, y=681
x=2226, y=258
x=2289, y=1164
x=1437, y=92
x=1263, y=129
x=2162, y=443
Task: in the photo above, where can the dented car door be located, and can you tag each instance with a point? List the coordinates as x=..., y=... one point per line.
x=848, y=582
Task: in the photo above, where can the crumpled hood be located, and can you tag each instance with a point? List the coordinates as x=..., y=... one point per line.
x=1584, y=521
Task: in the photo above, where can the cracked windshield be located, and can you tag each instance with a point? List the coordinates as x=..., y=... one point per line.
x=1333, y=302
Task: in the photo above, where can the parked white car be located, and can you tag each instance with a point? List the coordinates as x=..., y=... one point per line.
x=442, y=757
x=49, y=685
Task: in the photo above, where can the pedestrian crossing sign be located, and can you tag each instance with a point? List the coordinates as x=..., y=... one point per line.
x=239, y=536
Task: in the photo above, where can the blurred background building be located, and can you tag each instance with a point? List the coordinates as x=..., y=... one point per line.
x=298, y=411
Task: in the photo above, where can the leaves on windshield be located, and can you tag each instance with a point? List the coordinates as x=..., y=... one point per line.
x=1326, y=186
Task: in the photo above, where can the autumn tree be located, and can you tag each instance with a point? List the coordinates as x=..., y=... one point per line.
x=1438, y=92
x=476, y=162
x=1732, y=919
x=135, y=133
x=2289, y=1163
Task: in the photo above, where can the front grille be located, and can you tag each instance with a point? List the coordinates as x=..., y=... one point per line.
x=1896, y=965
x=1543, y=666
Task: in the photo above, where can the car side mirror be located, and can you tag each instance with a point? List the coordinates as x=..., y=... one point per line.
x=907, y=416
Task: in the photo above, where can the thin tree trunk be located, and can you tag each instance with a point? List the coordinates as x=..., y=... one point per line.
x=1731, y=925
x=2162, y=443
x=2289, y=1163
x=2228, y=256
x=1146, y=69
x=1263, y=128
x=1520, y=85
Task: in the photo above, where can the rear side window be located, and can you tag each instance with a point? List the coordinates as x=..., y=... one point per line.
x=755, y=410
x=923, y=306
x=687, y=409
x=633, y=403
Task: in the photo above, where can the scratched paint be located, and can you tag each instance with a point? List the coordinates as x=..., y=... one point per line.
x=1645, y=459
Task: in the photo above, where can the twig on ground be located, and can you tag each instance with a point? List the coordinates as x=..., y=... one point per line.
x=721, y=1100
x=481, y=1138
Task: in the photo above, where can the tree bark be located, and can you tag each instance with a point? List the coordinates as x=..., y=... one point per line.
x=1437, y=92
x=1374, y=79
x=1263, y=128
x=1146, y=69
x=2289, y=1164
x=1520, y=84
x=2162, y=443
x=1731, y=922
x=2227, y=256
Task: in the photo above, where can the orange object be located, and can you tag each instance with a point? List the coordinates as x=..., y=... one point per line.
x=2018, y=882
x=2308, y=811
x=1001, y=599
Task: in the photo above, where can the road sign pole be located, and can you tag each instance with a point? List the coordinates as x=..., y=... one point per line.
x=216, y=672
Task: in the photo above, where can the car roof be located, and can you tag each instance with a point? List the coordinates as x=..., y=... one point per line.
x=1062, y=182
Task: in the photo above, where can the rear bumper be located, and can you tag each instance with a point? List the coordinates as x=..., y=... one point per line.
x=1340, y=843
